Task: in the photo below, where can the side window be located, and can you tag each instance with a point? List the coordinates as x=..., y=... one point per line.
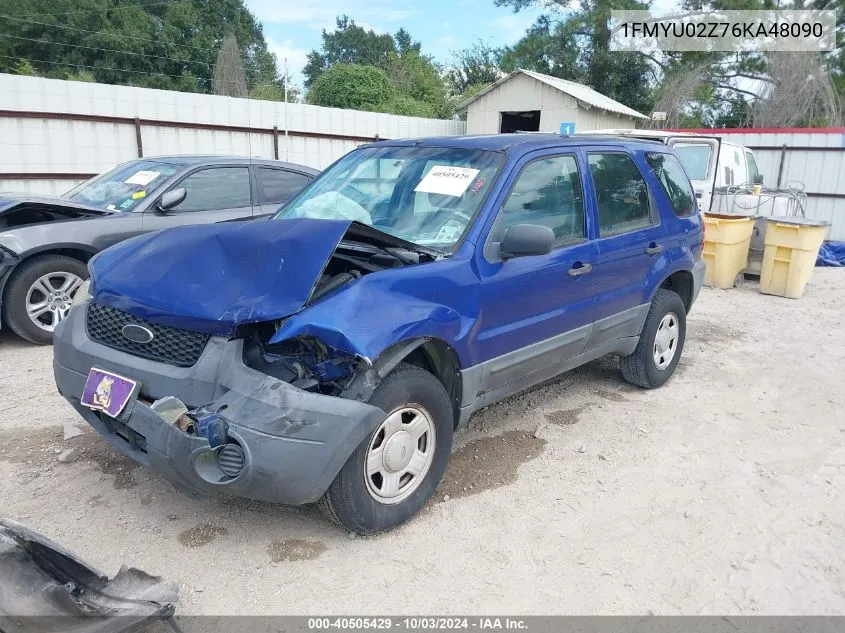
x=546, y=192
x=216, y=188
x=674, y=181
x=621, y=194
x=753, y=172
x=279, y=185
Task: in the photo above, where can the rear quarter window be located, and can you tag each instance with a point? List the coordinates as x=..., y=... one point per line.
x=674, y=182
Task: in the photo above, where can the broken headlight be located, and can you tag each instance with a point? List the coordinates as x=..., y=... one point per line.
x=304, y=362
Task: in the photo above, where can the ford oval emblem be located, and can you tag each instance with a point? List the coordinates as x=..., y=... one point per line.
x=137, y=333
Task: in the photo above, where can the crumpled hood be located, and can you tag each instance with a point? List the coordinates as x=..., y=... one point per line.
x=212, y=278
x=11, y=200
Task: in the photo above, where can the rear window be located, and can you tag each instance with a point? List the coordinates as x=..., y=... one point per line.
x=674, y=182
x=696, y=159
x=279, y=185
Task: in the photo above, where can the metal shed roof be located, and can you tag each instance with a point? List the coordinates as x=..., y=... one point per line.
x=577, y=91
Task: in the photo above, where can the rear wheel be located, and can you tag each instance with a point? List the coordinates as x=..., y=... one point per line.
x=39, y=295
x=661, y=342
x=397, y=468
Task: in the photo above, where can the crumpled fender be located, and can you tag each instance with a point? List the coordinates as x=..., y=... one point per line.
x=366, y=317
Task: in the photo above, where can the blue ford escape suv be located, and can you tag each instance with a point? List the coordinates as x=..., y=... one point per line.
x=327, y=354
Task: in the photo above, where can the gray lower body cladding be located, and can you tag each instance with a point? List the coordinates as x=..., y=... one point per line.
x=294, y=442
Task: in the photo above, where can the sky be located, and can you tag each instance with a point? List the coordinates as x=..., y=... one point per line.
x=292, y=28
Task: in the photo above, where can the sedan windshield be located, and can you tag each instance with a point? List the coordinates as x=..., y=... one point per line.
x=425, y=195
x=123, y=187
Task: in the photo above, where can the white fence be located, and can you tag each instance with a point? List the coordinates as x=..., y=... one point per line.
x=55, y=134
x=811, y=158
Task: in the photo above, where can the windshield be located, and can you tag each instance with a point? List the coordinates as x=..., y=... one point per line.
x=695, y=159
x=123, y=187
x=425, y=195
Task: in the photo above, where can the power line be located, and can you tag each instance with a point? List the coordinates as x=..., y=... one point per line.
x=115, y=50
x=122, y=70
x=120, y=36
x=114, y=8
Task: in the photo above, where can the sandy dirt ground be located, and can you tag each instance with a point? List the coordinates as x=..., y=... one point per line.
x=722, y=492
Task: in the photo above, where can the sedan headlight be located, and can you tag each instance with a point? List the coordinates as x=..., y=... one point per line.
x=81, y=295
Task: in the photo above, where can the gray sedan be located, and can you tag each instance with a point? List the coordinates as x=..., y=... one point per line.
x=46, y=241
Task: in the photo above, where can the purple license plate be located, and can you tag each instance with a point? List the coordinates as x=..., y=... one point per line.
x=107, y=392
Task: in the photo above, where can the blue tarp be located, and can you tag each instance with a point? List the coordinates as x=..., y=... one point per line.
x=831, y=254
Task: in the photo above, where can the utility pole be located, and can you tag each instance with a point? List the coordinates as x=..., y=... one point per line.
x=286, y=109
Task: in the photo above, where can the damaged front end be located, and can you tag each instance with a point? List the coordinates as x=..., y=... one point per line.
x=258, y=413
x=45, y=588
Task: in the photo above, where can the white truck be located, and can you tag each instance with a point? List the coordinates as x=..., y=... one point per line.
x=733, y=166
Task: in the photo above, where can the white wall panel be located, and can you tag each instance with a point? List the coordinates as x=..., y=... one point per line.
x=817, y=172
x=43, y=146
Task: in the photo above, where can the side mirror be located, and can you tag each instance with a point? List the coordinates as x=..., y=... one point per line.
x=526, y=239
x=759, y=179
x=172, y=199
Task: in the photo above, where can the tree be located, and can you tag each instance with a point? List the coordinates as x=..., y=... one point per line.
x=169, y=45
x=352, y=86
x=477, y=65
x=349, y=44
x=417, y=84
x=24, y=67
x=275, y=91
x=229, y=77
x=573, y=42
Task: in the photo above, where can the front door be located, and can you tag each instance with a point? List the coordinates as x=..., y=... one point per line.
x=631, y=241
x=214, y=194
x=536, y=310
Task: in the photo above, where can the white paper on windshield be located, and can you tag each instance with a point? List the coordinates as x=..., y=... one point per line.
x=447, y=180
x=142, y=178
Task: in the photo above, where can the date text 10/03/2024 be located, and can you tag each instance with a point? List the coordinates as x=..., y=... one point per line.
x=418, y=623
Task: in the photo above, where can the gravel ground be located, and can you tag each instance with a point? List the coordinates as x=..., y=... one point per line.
x=721, y=493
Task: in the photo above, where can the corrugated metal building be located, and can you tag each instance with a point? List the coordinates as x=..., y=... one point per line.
x=527, y=101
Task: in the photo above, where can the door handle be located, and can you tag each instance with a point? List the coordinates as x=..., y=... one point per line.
x=583, y=269
x=653, y=249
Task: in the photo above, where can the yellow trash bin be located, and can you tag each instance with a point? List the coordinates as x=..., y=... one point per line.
x=792, y=246
x=726, y=240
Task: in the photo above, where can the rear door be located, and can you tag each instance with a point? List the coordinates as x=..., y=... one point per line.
x=631, y=241
x=214, y=194
x=700, y=158
x=276, y=186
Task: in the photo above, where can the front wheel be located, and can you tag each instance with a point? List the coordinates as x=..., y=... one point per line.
x=397, y=468
x=661, y=342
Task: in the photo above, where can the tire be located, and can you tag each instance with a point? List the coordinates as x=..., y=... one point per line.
x=18, y=291
x=351, y=500
x=642, y=368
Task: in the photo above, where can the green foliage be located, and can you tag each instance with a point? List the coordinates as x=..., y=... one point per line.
x=170, y=45
x=351, y=44
x=478, y=65
x=82, y=75
x=416, y=86
x=574, y=43
x=24, y=67
x=352, y=86
x=275, y=91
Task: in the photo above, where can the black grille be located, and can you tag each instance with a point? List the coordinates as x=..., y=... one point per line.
x=169, y=345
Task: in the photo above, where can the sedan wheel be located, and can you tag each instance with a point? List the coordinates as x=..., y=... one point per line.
x=39, y=294
x=49, y=299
